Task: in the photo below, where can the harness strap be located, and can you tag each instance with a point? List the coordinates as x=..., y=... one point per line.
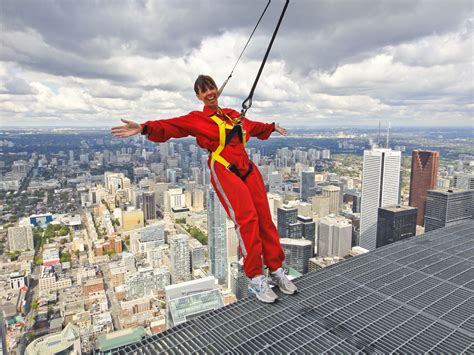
x=225, y=139
x=234, y=169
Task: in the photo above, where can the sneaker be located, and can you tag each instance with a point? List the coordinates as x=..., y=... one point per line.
x=280, y=279
x=259, y=286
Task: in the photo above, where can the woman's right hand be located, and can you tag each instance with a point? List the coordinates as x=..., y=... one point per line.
x=129, y=129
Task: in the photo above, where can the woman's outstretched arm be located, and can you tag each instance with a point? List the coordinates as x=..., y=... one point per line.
x=158, y=130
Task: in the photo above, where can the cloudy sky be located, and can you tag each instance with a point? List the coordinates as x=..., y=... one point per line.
x=334, y=62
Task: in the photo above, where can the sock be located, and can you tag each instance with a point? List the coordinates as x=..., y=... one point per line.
x=257, y=278
x=278, y=271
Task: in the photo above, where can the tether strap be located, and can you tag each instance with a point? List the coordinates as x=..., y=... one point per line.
x=243, y=50
x=248, y=100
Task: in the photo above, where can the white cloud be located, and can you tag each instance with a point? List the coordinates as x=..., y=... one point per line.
x=338, y=68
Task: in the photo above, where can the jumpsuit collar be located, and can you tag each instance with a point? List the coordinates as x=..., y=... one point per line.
x=208, y=111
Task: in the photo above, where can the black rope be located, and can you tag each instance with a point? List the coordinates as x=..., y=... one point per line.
x=243, y=50
x=248, y=101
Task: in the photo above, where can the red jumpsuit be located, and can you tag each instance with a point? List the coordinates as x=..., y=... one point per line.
x=244, y=201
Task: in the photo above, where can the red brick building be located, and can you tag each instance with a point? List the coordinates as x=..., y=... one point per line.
x=114, y=243
x=424, y=175
x=93, y=285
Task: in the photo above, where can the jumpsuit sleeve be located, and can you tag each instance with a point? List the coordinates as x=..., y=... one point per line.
x=259, y=129
x=178, y=127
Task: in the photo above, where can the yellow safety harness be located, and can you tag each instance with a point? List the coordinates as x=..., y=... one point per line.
x=225, y=139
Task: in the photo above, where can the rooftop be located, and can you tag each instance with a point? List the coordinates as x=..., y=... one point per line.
x=398, y=208
x=450, y=191
x=112, y=340
x=413, y=296
x=293, y=241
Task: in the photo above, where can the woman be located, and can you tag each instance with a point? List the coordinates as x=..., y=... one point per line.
x=237, y=182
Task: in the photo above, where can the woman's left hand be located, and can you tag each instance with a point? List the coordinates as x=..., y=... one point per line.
x=280, y=129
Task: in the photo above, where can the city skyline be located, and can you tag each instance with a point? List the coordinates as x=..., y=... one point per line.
x=89, y=64
x=124, y=231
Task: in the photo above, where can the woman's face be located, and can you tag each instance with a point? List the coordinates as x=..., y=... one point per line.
x=209, y=97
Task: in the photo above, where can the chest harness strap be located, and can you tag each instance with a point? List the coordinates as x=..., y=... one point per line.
x=224, y=139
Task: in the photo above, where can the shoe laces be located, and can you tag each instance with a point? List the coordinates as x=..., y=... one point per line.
x=262, y=284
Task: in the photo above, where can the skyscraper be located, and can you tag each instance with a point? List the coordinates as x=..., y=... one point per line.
x=198, y=199
x=395, y=223
x=320, y=205
x=334, y=236
x=308, y=228
x=115, y=181
x=333, y=193
x=325, y=154
x=447, y=208
x=149, y=207
x=238, y=281
x=380, y=187
x=424, y=175
x=297, y=253
x=216, y=226
x=464, y=181
x=353, y=196
x=232, y=242
x=275, y=182
x=286, y=216
x=180, y=258
x=307, y=185
x=197, y=253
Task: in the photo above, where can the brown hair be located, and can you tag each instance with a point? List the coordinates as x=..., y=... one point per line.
x=204, y=82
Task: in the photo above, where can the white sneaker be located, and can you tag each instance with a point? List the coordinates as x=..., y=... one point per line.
x=280, y=279
x=259, y=286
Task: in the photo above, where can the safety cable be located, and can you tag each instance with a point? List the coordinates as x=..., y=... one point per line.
x=248, y=100
x=243, y=50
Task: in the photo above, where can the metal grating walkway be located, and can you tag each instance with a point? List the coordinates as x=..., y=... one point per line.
x=414, y=296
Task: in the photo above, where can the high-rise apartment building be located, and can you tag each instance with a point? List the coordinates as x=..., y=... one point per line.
x=333, y=193
x=334, y=236
x=464, y=181
x=180, y=258
x=149, y=207
x=447, y=208
x=297, y=253
x=217, y=239
x=197, y=253
x=286, y=216
x=424, y=175
x=380, y=187
x=20, y=238
x=116, y=181
x=325, y=154
x=232, y=242
x=307, y=188
x=238, y=281
x=395, y=223
x=198, y=200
